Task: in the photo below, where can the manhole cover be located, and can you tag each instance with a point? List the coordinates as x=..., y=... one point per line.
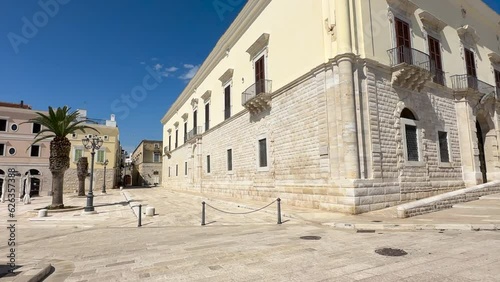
x=310, y=237
x=391, y=252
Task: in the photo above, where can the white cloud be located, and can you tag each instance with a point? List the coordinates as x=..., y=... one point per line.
x=154, y=59
x=158, y=67
x=171, y=69
x=142, y=63
x=190, y=74
x=189, y=66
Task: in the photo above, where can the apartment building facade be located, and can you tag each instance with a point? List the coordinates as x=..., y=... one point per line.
x=147, y=163
x=343, y=105
x=17, y=152
x=110, y=151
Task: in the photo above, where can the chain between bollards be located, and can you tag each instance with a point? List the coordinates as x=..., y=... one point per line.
x=139, y=224
x=203, y=213
x=279, y=210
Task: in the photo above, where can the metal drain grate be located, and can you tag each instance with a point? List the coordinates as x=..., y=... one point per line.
x=310, y=237
x=389, y=252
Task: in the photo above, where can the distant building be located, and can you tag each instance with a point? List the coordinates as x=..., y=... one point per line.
x=147, y=163
x=15, y=149
x=342, y=105
x=110, y=150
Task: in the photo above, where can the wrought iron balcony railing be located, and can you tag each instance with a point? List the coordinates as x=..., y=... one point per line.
x=410, y=56
x=466, y=82
x=194, y=132
x=260, y=87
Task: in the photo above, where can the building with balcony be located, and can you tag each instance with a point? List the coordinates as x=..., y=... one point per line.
x=110, y=151
x=16, y=151
x=147, y=163
x=342, y=105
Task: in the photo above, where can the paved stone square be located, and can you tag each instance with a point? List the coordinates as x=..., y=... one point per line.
x=173, y=246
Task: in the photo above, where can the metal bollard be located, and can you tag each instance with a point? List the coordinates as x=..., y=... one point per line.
x=279, y=210
x=203, y=213
x=140, y=216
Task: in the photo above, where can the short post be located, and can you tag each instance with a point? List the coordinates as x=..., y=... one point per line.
x=203, y=213
x=279, y=210
x=140, y=215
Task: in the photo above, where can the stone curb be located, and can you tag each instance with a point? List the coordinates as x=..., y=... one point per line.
x=129, y=198
x=415, y=226
x=34, y=274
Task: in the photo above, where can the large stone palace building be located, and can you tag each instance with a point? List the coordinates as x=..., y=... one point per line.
x=344, y=105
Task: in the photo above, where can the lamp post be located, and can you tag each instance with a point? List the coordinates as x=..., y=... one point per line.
x=91, y=142
x=104, y=183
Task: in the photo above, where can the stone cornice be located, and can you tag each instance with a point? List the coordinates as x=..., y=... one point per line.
x=247, y=16
x=258, y=45
x=228, y=75
x=206, y=96
x=468, y=34
x=494, y=58
x=431, y=21
x=405, y=6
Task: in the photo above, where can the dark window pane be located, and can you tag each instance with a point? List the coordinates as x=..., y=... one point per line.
x=2, y=149
x=37, y=127
x=3, y=125
x=229, y=159
x=227, y=102
x=406, y=113
x=411, y=143
x=262, y=153
x=443, y=147
x=195, y=121
x=207, y=116
x=176, y=170
x=35, y=151
x=176, y=138
x=170, y=142
x=185, y=168
x=208, y=164
x=185, y=132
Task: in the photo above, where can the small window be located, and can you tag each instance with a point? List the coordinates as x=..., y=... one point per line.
x=100, y=156
x=157, y=146
x=168, y=171
x=263, y=153
x=227, y=102
x=229, y=159
x=185, y=168
x=169, y=142
x=156, y=157
x=78, y=154
x=176, y=170
x=185, y=132
x=2, y=149
x=3, y=125
x=208, y=164
x=74, y=135
x=444, y=153
x=37, y=127
x=176, y=138
x=12, y=151
x=14, y=127
x=411, y=143
x=106, y=138
x=35, y=151
x=207, y=116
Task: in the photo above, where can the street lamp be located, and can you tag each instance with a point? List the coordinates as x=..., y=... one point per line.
x=104, y=184
x=91, y=142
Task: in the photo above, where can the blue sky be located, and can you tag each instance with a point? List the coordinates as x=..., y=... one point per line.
x=89, y=54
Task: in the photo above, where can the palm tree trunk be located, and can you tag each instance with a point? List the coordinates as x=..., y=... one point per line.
x=82, y=171
x=57, y=189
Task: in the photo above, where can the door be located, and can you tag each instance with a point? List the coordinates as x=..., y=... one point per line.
x=35, y=187
x=482, y=159
x=436, y=60
x=403, y=42
x=470, y=65
x=260, y=76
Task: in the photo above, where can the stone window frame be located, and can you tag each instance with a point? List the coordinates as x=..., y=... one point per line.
x=404, y=122
x=6, y=123
x=15, y=151
x=438, y=148
x=259, y=168
x=39, y=151
x=103, y=156
x=159, y=157
x=225, y=85
x=12, y=125
x=394, y=13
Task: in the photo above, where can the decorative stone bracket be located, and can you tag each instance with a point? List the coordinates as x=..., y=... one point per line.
x=410, y=77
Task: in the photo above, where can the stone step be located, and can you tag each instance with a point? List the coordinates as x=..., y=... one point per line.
x=491, y=197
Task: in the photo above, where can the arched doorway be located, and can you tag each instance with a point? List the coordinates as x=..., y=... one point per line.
x=486, y=140
x=2, y=175
x=34, y=181
x=480, y=145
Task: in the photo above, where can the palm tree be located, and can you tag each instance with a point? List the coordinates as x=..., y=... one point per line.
x=57, y=125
